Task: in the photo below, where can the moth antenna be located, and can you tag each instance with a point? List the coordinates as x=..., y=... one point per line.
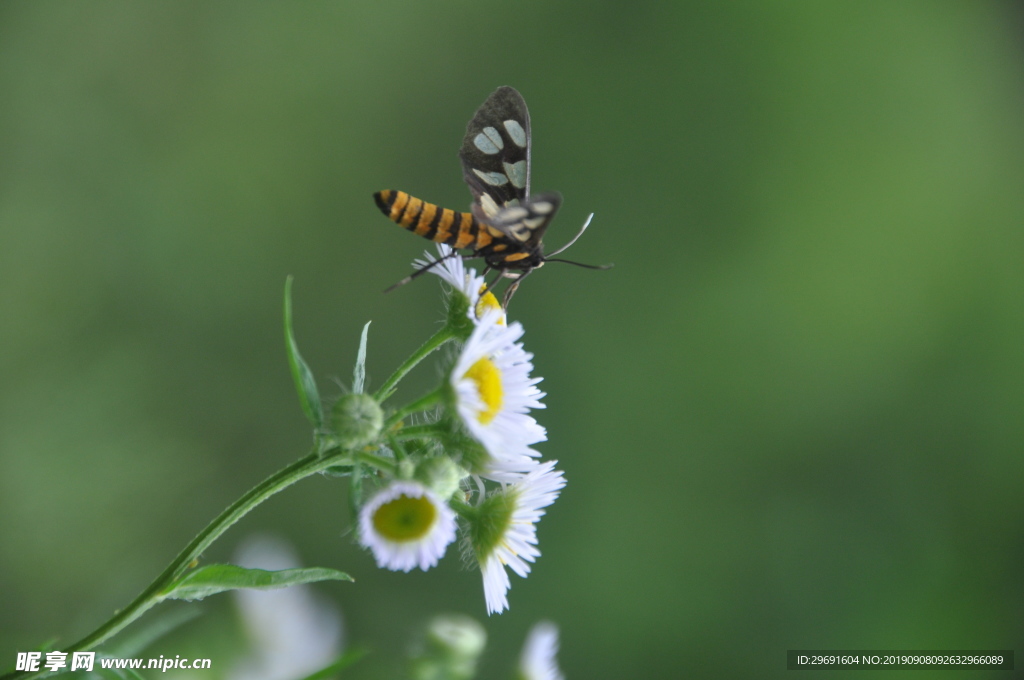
x=576, y=237
x=419, y=271
x=580, y=264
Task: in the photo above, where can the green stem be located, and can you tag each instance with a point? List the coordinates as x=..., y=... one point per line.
x=379, y=462
x=430, y=430
x=435, y=341
x=396, y=446
x=421, y=404
x=154, y=594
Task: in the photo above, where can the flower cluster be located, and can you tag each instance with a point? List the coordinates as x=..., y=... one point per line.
x=470, y=465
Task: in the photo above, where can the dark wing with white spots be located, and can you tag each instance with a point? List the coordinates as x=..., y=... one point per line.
x=527, y=222
x=495, y=153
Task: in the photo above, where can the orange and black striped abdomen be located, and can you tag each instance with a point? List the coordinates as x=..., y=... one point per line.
x=441, y=225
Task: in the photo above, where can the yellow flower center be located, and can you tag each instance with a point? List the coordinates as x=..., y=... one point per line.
x=488, y=383
x=486, y=303
x=405, y=518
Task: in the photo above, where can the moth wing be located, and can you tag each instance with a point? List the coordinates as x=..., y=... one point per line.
x=527, y=222
x=495, y=153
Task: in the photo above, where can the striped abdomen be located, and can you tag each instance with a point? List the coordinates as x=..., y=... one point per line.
x=441, y=225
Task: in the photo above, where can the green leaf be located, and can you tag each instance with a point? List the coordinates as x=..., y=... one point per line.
x=217, y=578
x=359, y=372
x=305, y=385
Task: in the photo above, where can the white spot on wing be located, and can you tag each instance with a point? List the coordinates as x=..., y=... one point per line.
x=484, y=143
x=488, y=205
x=495, y=179
x=513, y=214
x=494, y=136
x=516, y=132
x=542, y=207
x=516, y=173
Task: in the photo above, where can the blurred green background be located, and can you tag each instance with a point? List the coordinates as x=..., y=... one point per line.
x=790, y=417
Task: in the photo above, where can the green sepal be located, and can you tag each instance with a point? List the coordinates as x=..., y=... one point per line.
x=218, y=578
x=459, y=320
x=305, y=384
x=359, y=372
x=489, y=523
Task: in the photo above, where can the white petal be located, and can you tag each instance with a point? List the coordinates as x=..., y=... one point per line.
x=538, y=660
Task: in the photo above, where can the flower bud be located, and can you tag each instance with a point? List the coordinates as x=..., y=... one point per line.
x=356, y=420
x=441, y=475
x=452, y=647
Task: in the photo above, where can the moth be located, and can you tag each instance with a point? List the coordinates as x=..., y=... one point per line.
x=506, y=224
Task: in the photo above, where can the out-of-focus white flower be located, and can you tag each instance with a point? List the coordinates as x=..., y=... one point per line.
x=292, y=632
x=538, y=660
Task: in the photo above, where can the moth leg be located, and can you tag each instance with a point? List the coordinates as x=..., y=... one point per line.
x=421, y=270
x=513, y=287
x=493, y=283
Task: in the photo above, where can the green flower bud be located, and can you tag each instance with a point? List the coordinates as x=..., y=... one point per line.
x=452, y=647
x=356, y=420
x=441, y=475
x=406, y=469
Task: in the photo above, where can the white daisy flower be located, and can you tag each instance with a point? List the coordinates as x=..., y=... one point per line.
x=465, y=282
x=538, y=661
x=504, y=531
x=453, y=270
x=493, y=393
x=406, y=525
